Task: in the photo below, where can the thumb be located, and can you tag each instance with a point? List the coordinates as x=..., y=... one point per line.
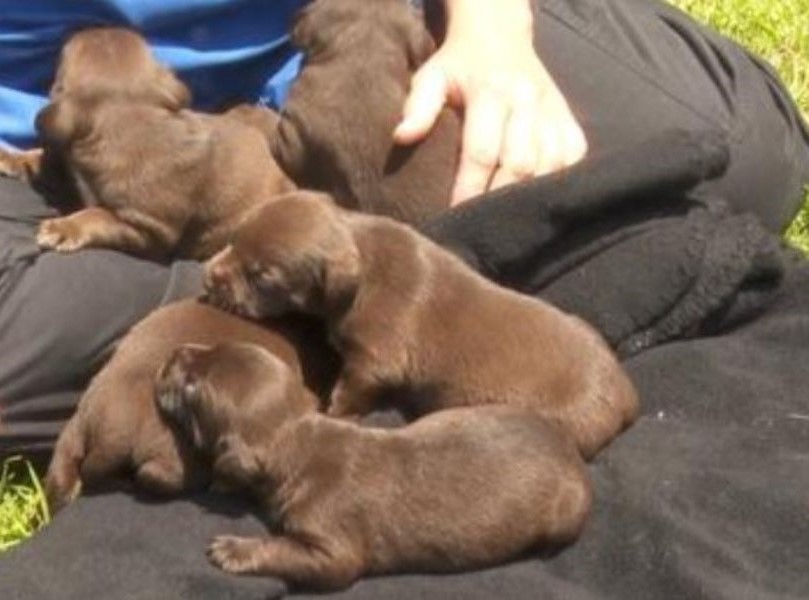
x=428, y=93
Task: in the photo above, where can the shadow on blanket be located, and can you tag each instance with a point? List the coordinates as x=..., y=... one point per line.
x=705, y=497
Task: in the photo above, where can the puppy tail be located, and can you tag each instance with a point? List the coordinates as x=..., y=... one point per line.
x=63, y=480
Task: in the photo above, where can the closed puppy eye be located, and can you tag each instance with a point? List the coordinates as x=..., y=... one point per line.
x=269, y=280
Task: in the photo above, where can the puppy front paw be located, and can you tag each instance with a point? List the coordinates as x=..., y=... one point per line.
x=235, y=554
x=62, y=235
x=19, y=165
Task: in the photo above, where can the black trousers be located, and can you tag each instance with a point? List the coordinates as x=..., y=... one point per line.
x=629, y=68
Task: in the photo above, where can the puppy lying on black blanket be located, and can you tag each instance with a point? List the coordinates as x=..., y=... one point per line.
x=156, y=180
x=459, y=489
x=408, y=316
x=336, y=131
x=116, y=428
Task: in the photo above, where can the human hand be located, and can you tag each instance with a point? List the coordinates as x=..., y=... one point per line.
x=517, y=123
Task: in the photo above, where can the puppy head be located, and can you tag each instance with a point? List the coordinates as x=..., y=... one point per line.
x=228, y=400
x=293, y=254
x=112, y=62
x=324, y=24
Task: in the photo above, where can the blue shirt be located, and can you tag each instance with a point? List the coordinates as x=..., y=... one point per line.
x=222, y=49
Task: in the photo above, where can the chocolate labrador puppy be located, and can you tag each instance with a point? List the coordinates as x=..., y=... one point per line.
x=116, y=429
x=407, y=315
x=459, y=489
x=337, y=125
x=155, y=179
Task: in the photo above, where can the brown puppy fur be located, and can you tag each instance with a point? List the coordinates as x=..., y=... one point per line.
x=337, y=124
x=460, y=489
x=406, y=315
x=116, y=428
x=157, y=180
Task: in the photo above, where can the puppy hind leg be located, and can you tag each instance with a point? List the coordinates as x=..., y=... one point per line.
x=304, y=565
x=63, y=480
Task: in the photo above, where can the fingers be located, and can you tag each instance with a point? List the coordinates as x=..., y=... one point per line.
x=540, y=140
x=483, y=134
x=428, y=93
x=523, y=150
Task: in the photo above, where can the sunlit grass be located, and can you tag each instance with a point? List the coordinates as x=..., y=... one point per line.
x=23, y=508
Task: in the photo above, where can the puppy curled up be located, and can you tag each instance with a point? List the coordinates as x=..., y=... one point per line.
x=459, y=489
x=336, y=130
x=408, y=316
x=116, y=431
x=153, y=178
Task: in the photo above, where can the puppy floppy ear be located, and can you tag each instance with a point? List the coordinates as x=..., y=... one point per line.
x=341, y=277
x=317, y=24
x=172, y=93
x=61, y=122
x=304, y=28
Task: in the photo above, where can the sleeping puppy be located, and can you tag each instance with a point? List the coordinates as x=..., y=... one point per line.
x=337, y=124
x=155, y=179
x=459, y=489
x=407, y=316
x=116, y=429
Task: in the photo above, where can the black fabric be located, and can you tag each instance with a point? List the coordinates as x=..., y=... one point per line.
x=704, y=497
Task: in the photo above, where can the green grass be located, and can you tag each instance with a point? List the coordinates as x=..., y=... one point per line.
x=777, y=30
x=23, y=509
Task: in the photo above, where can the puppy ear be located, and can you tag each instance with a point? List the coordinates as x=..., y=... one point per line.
x=317, y=25
x=172, y=93
x=61, y=122
x=288, y=150
x=304, y=28
x=342, y=271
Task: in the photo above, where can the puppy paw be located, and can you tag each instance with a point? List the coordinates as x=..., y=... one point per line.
x=60, y=235
x=10, y=165
x=235, y=554
x=18, y=165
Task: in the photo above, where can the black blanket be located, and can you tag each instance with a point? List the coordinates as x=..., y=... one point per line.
x=706, y=496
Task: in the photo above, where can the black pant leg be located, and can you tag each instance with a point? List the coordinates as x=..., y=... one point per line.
x=60, y=315
x=630, y=68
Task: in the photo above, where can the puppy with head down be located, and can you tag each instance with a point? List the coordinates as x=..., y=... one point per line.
x=336, y=131
x=116, y=430
x=459, y=489
x=407, y=316
x=154, y=178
